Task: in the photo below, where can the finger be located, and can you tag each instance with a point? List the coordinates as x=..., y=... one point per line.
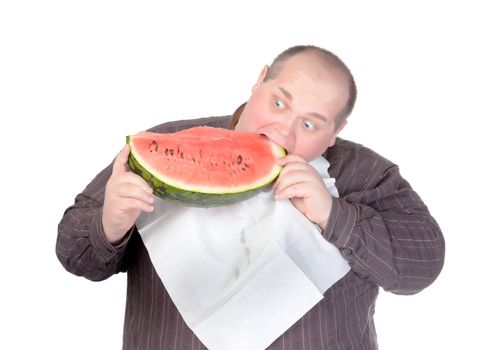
x=294, y=177
x=303, y=189
x=130, y=204
x=307, y=185
x=290, y=158
x=297, y=166
x=120, y=164
x=294, y=163
x=130, y=191
x=283, y=185
x=133, y=179
x=293, y=171
x=298, y=190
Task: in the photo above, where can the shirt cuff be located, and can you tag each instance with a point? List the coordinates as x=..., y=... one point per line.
x=341, y=222
x=100, y=242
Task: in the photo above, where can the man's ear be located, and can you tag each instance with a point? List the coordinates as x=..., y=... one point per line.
x=261, y=77
x=339, y=128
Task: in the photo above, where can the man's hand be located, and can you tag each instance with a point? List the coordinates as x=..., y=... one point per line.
x=300, y=182
x=126, y=196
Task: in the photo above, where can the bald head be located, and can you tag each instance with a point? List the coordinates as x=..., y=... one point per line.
x=326, y=60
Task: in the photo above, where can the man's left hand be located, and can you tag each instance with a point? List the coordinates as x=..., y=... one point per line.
x=303, y=186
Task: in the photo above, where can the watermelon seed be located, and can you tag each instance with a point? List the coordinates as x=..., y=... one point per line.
x=246, y=165
x=239, y=159
x=182, y=155
x=153, y=146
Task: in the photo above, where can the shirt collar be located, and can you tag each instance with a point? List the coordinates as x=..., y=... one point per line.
x=235, y=116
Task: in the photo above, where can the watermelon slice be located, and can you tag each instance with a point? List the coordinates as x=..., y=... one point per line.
x=204, y=166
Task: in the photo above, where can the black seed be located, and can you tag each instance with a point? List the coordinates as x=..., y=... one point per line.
x=239, y=159
x=153, y=146
x=247, y=166
x=166, y=151
x=171, y=152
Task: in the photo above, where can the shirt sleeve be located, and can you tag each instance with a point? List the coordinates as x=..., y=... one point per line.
x=82, y=246
x=382, y=227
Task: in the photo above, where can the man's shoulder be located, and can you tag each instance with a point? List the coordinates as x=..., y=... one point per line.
x=173, y=126
x=347, y=148
x=347, y=156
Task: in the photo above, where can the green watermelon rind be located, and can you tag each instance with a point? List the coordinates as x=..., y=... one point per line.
x=195, y=198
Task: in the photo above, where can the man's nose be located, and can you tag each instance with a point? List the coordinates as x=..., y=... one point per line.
x=286, y=128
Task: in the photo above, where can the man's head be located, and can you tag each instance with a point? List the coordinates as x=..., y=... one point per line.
x=301, y=101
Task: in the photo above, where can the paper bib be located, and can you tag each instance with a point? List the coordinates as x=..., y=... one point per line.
x=241, y=275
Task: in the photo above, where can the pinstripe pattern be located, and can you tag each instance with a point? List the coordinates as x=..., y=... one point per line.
x=379, y=223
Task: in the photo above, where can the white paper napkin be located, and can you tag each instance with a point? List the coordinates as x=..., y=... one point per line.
x=241, y=275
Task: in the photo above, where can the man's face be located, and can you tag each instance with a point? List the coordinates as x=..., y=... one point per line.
x=297, y=108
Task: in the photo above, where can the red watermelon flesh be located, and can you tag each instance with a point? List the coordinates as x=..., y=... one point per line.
x=208, y=160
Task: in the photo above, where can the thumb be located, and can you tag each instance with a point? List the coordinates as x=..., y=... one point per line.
x=120, y=164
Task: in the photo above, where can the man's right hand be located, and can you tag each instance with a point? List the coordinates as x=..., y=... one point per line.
x=126, y=196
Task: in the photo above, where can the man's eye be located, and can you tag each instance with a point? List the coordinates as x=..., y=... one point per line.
x=279, y=104
x=308, y=124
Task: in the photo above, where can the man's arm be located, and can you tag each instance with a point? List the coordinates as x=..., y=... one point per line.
x=381, y=225
x=93, y=233
x=82, y=246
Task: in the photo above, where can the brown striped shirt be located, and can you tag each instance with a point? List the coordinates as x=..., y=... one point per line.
x=379, y=223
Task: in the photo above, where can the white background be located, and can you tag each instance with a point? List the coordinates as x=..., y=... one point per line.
x=77, y=76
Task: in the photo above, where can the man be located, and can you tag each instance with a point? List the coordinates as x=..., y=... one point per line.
x=378, y=223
